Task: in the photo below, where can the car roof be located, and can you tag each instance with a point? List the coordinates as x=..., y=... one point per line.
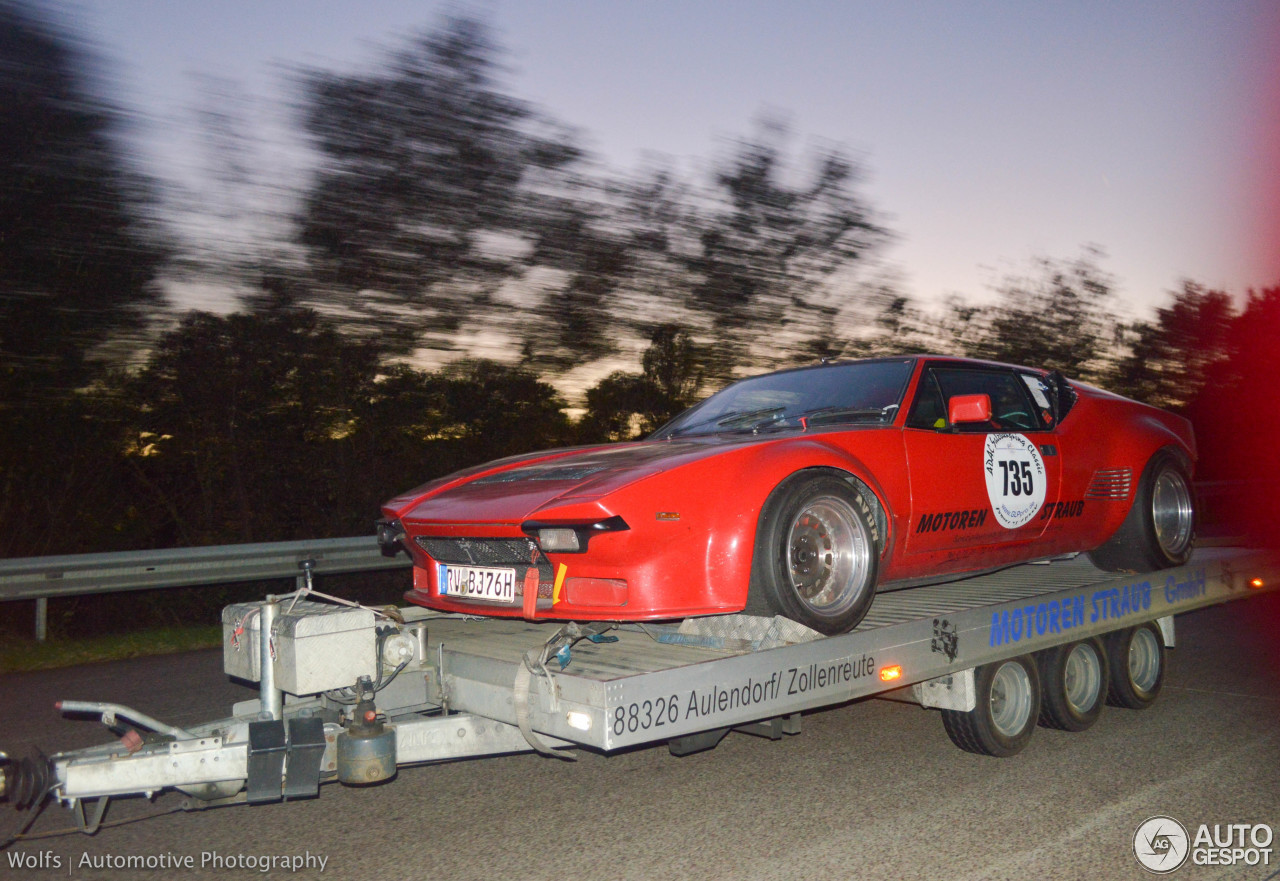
x=950, y=359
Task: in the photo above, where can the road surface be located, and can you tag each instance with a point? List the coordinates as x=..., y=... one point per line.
x=871, y=789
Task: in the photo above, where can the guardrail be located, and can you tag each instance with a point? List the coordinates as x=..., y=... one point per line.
x=39, y=578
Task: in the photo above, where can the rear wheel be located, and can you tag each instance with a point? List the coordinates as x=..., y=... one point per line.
x=815, y=556
x=1004, y=718
x=1160, y=530
x=1073, y=684
x=1136, y=656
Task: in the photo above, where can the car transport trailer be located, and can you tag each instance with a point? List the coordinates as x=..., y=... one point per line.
x=350, y=693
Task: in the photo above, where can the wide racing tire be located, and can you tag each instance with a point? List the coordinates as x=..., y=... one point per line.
x=1160, y=530
x=816, y=556
x=1073, y=684
x=1008, y=706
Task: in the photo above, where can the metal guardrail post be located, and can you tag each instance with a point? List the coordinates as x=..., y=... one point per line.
x=42, y=618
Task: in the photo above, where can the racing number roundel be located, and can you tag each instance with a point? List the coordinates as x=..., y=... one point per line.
x=1015, y=478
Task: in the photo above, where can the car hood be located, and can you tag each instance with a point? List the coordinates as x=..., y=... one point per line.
x=515, y=489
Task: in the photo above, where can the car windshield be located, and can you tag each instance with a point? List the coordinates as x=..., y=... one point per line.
x=860, y=392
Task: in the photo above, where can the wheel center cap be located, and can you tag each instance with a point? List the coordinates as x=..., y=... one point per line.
x=802, y=553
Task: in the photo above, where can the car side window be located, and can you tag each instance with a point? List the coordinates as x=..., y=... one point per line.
x=1040, y=393
x=928, y=409
x=1012, y=408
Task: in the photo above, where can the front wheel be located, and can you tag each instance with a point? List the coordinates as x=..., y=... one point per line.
x=816, y=557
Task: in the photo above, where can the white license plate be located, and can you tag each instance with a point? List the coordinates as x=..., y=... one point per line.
x=477, y=582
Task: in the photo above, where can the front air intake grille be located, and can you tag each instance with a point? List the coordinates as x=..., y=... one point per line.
x=480, y=551
x=518, y=553
x=1110, y=483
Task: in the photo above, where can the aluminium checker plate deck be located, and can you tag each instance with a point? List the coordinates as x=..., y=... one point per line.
x=641, y=690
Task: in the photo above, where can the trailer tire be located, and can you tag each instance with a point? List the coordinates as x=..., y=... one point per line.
x=1136, y=656
x=1160, y=530
x=1008, y=706
x=1073, y=684
x=816, y=555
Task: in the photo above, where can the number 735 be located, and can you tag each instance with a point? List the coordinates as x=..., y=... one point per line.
x=1017, y=477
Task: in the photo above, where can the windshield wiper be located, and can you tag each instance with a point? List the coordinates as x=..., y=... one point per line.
x=734, y=420
x=838, y=414
x=731, y=420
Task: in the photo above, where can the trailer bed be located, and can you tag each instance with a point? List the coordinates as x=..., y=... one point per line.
x=729, y=670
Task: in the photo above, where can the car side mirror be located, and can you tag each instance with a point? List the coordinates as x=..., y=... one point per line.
x=969, y=408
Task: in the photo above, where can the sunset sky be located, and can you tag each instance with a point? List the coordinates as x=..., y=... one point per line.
x=991, y=133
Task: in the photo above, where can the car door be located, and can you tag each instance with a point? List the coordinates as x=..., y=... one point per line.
x=986, y=484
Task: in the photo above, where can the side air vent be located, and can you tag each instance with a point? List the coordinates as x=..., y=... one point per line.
x=1110, y=483
x=543, y=472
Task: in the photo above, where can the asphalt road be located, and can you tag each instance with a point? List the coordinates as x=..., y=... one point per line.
x=872, y=789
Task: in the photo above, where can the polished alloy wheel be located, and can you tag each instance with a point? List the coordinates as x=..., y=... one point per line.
x=828, y=555
x=1172, y=512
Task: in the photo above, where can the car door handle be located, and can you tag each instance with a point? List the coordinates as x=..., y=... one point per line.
x=1048, y=450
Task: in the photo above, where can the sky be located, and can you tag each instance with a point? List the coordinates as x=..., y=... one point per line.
x=991, y=133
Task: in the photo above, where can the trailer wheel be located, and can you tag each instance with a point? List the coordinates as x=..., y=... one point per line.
x=1073, y=684
x=1160, y=530
x=1136, y=656
x=816, y=556
x=1005, y=716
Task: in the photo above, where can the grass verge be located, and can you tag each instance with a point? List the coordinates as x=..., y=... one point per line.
x=17, y=655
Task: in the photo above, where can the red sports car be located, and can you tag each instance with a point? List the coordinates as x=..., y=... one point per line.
x=802, y=492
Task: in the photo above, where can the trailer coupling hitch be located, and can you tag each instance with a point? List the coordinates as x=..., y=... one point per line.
x=25, y=782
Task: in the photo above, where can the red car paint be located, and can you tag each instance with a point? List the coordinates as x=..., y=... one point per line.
x=692, y=505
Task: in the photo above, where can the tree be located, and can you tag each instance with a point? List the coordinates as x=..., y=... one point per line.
x=1236, y=425
x=1170, y=358
x=78, y=258
x=575, y=320
x=238, y=426
x=624, y=406
x=78, y=253
x=233, y=217
x=414, y=426
x=1057, y=318
x=421, y=206
x=765, y=248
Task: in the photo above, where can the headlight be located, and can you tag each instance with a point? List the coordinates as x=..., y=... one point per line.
x=569, y=536
x=558, y=539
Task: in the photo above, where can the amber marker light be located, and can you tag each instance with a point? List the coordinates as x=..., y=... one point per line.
x=889, y=674
x=1256, y=583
